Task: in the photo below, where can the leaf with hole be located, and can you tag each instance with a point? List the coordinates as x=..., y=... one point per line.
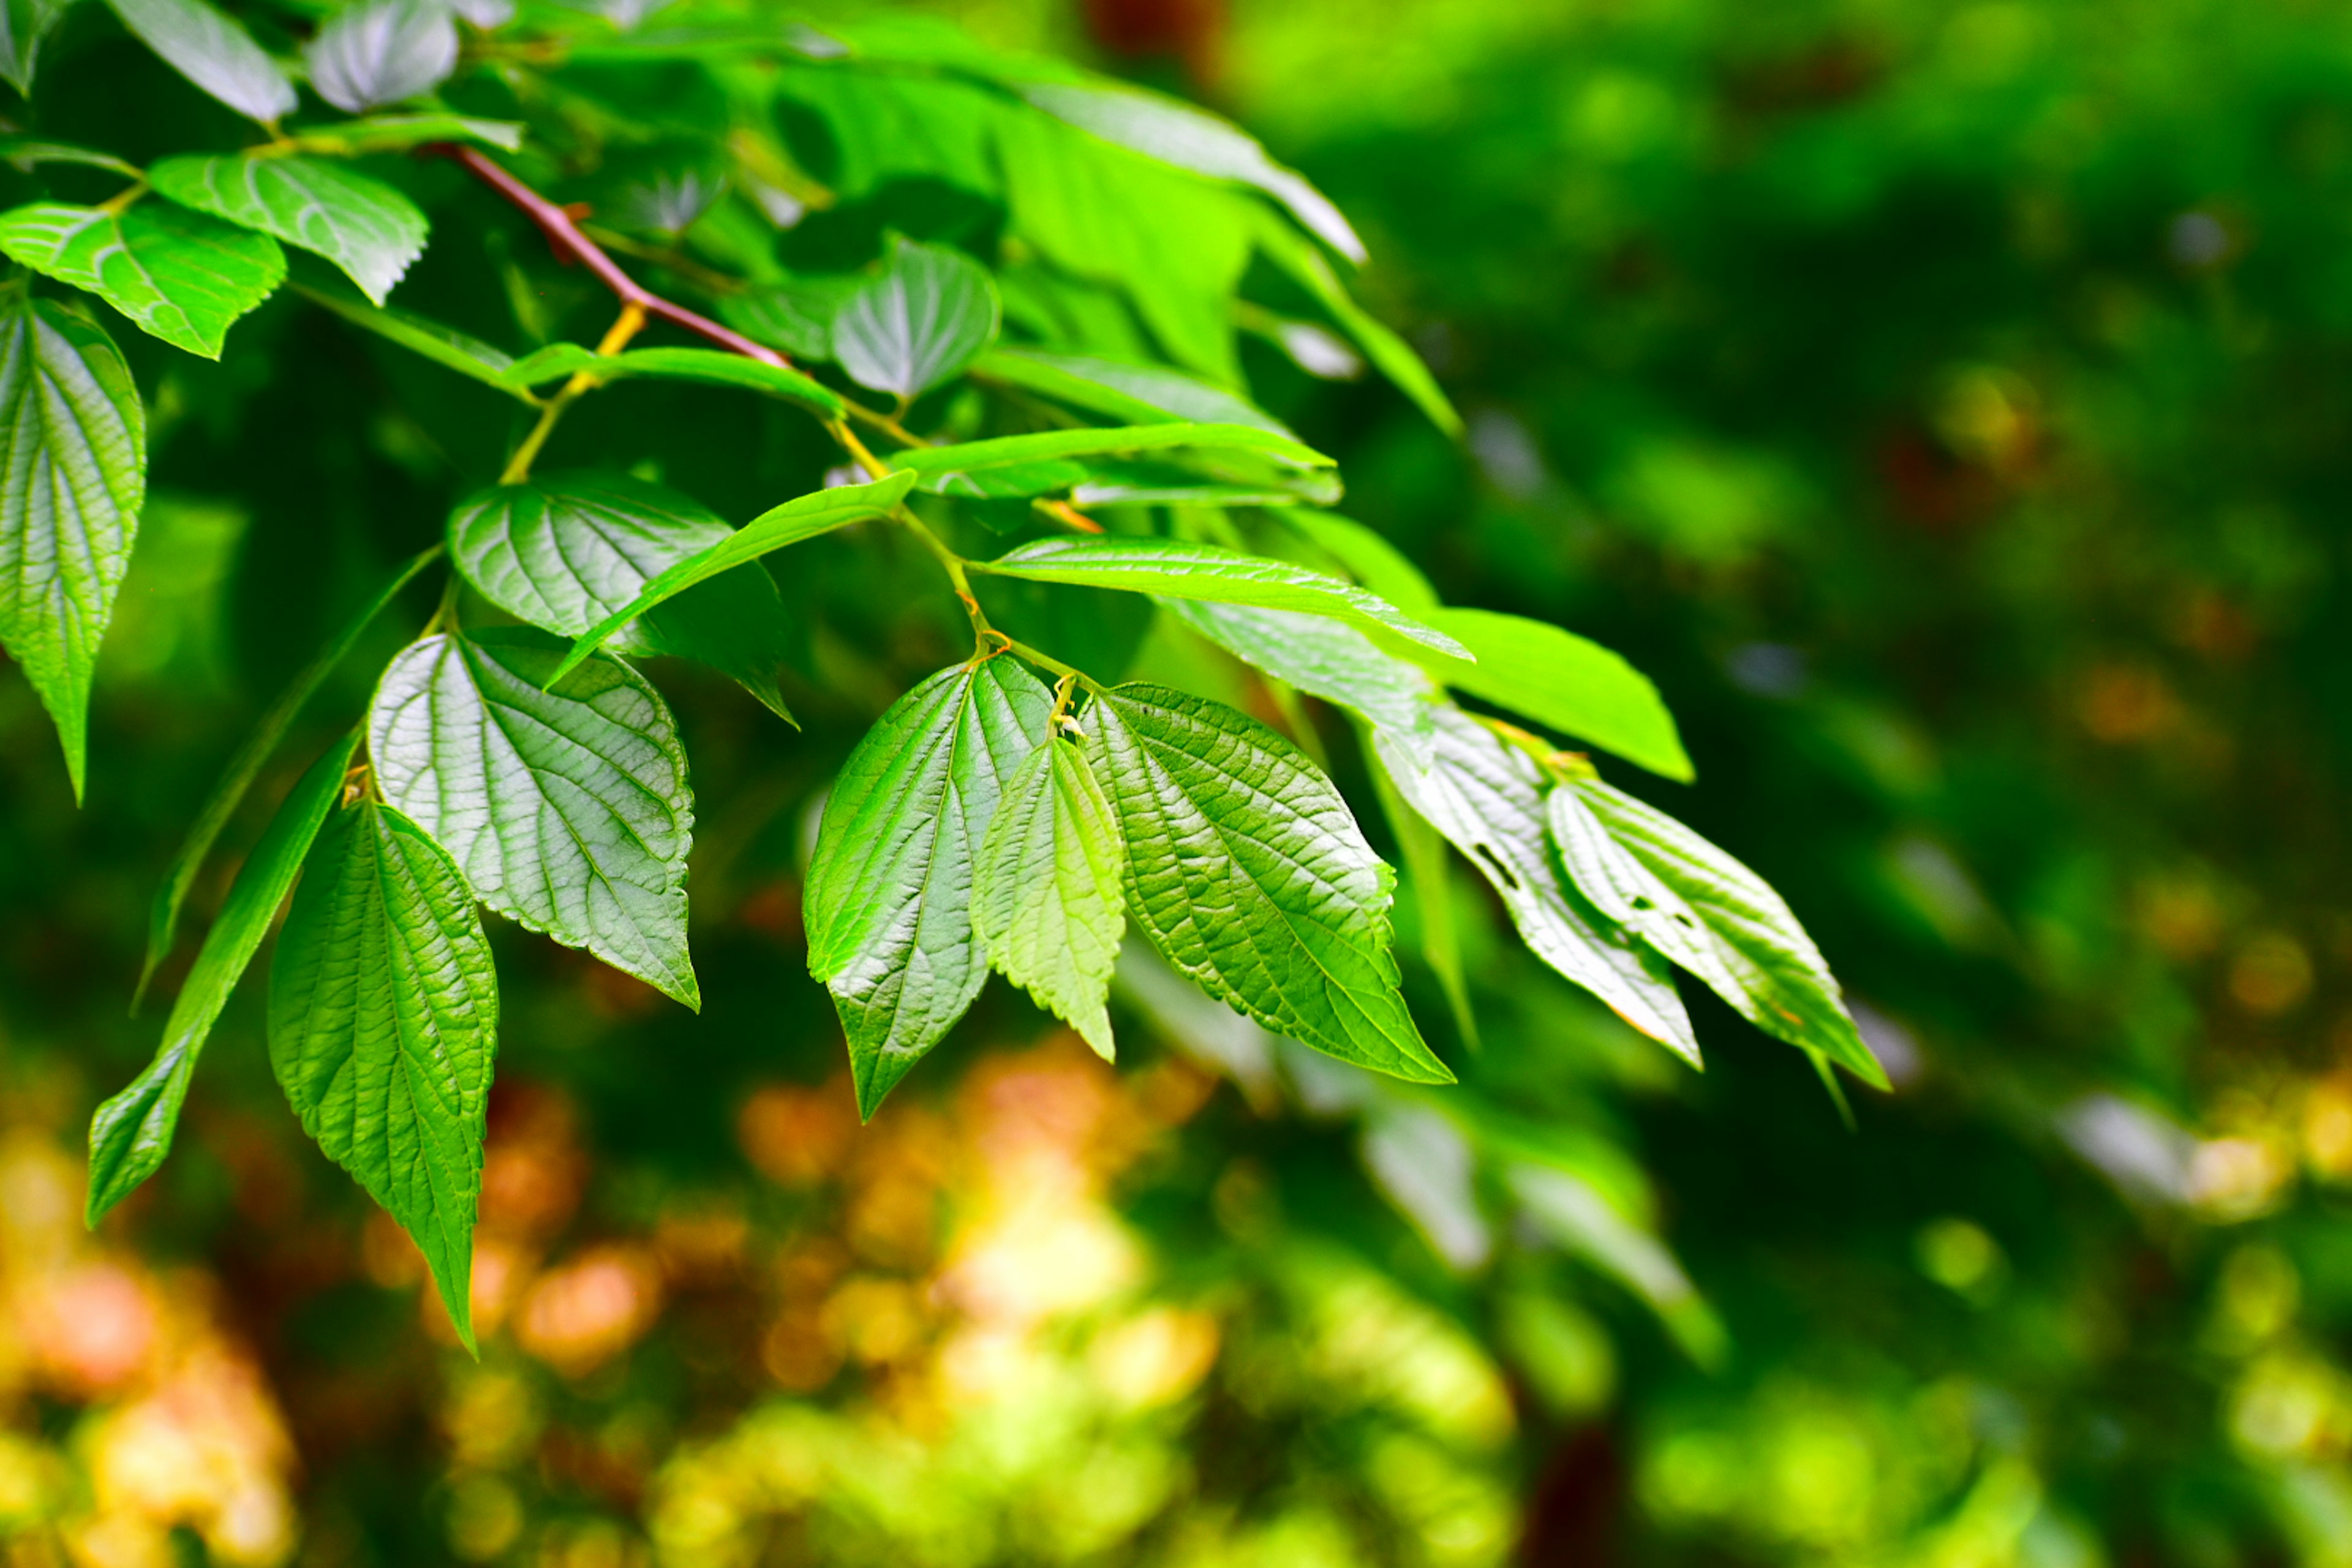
x=212, y=50
x=179, y=275
x=364, y=226
x=384, y=1020
x=932, y=311
x=382, y=52
x=1047, y=895
x=565, y=801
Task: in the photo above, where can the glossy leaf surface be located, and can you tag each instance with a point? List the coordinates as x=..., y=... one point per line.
x=382, y=52
x=364, y=226
x=177, y=274
x=1046, y=893
x=930, y=313
x=212, y=50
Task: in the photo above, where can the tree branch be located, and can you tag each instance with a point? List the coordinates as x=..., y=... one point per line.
x=564, y=235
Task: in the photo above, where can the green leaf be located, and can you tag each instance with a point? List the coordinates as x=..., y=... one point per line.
x=164, y=915
x=930, y=313
x=444, y=346
x=888, y=895
x=26, y=152
x=565, y=801
x=384, y=1020
x=796, y=317
x=1486, y=798
x=1132, y=393
x=212, y=50
x=1366, y=557
x=73, y=475
x=1249, y=874
x=179, y=275
x=1179, y=133
x=1179, y=568
x=1395, y=357
x=1050, y=460
x=1327, y=658
x=1755, y=955
x=1560, y=680
x=566, y=552
x=131, y=1133
x=1046, y=899
x=804, y=517
x=398, y=132
x=24, y=26
x=382, y=52
x=1431, y=880
x=362, y=226
x=709, y=366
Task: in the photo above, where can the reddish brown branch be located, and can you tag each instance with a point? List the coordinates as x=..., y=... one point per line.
x=564, y=234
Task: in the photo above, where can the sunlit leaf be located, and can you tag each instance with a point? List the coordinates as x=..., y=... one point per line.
x=1046, y=896
x=362, y=226
x=382, y=52
x=179, y=275
x=212, y=50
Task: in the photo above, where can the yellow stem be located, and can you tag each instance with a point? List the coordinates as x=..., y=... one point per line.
x=630, y=321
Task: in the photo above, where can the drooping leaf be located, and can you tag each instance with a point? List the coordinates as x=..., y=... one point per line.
x=1329, y=658
x=131, y=1133
x=1179, y=568
x=565, y=801
x=1046, y=893
x=1486, y=798
x=382, y=52
x=446, y=346
x=364, y=226
x=1248, y=872
x=804, y=517
x=397, y=132
x=212, y=50
x=1563, y=681
x=930, y=313
x=73, y=467
x=1431, y=881
x=709, y=366
x=384, y=1020
x=1761, y=963
x=1366, y=557
x=564, y=552
x=888, y=894
x=24, y=26
x=28, y=151
x=1289, y=250
x=177, y=274
x=1116, y=389
x=1049, y=461
x=1179, y=133
x=796, y=317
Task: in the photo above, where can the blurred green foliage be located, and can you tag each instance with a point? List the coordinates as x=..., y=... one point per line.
x=1941, y=401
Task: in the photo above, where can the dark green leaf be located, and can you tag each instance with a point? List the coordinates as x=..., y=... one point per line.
x=930, y=313
x=1132, y=393
x=131, y=1133
x=1249, y=873
x=177, y=274
x=1755, y=955
x=565, y=801
x=382, y=52
x=73, y=467
x=212, y=50
x=1486, y=798
x=362, y=226
x=446, y=346
x=384, y=1020
x=563, y=553
x=1046, y=899
x=888, y=895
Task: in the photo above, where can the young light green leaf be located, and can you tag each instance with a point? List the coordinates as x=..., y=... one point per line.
x=1486, y=798
x=444, y=346
x=1179, y=568
x=179, y=275
x=398, y=132
x=73, y=475
x=164, y=914
x=28, y=151
x=383, y=1022
x=566, y=552
x=804, y=517
x=364, y=226
x=706, y=365
x=25, y=26
x=1047, y=898
x=1050, y=460
x=930, y=313
x=1132, y=393
x=131, y=1133
x=1179, y=133
x=1249, y=874
x=382, y=52
x=1762, y=962
x=1364, y=556
x=888, y=894
x=1560, y=680
x=565, y=801
x=1328, y=658
x=1288, y=249
x=214, y=51
x=796, y=317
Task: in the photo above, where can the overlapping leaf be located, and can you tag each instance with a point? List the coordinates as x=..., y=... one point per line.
x=1274, y=467
x=364, y=226
x=382, y=52
x=796, y=317
x=177, y=274
x=444, y=345
x=73, y=466
x=1249, y=873
x=212, y=50
x=888, y=895
x=1486, y=798
x=384, y=1016
x=24, y=26
x=1116, y=389
x=131, y=1133
x=709, y=366
x=394, y=132
x=930, y=313
x=1047, y=894
x=1328, y=658
x=565, y=801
